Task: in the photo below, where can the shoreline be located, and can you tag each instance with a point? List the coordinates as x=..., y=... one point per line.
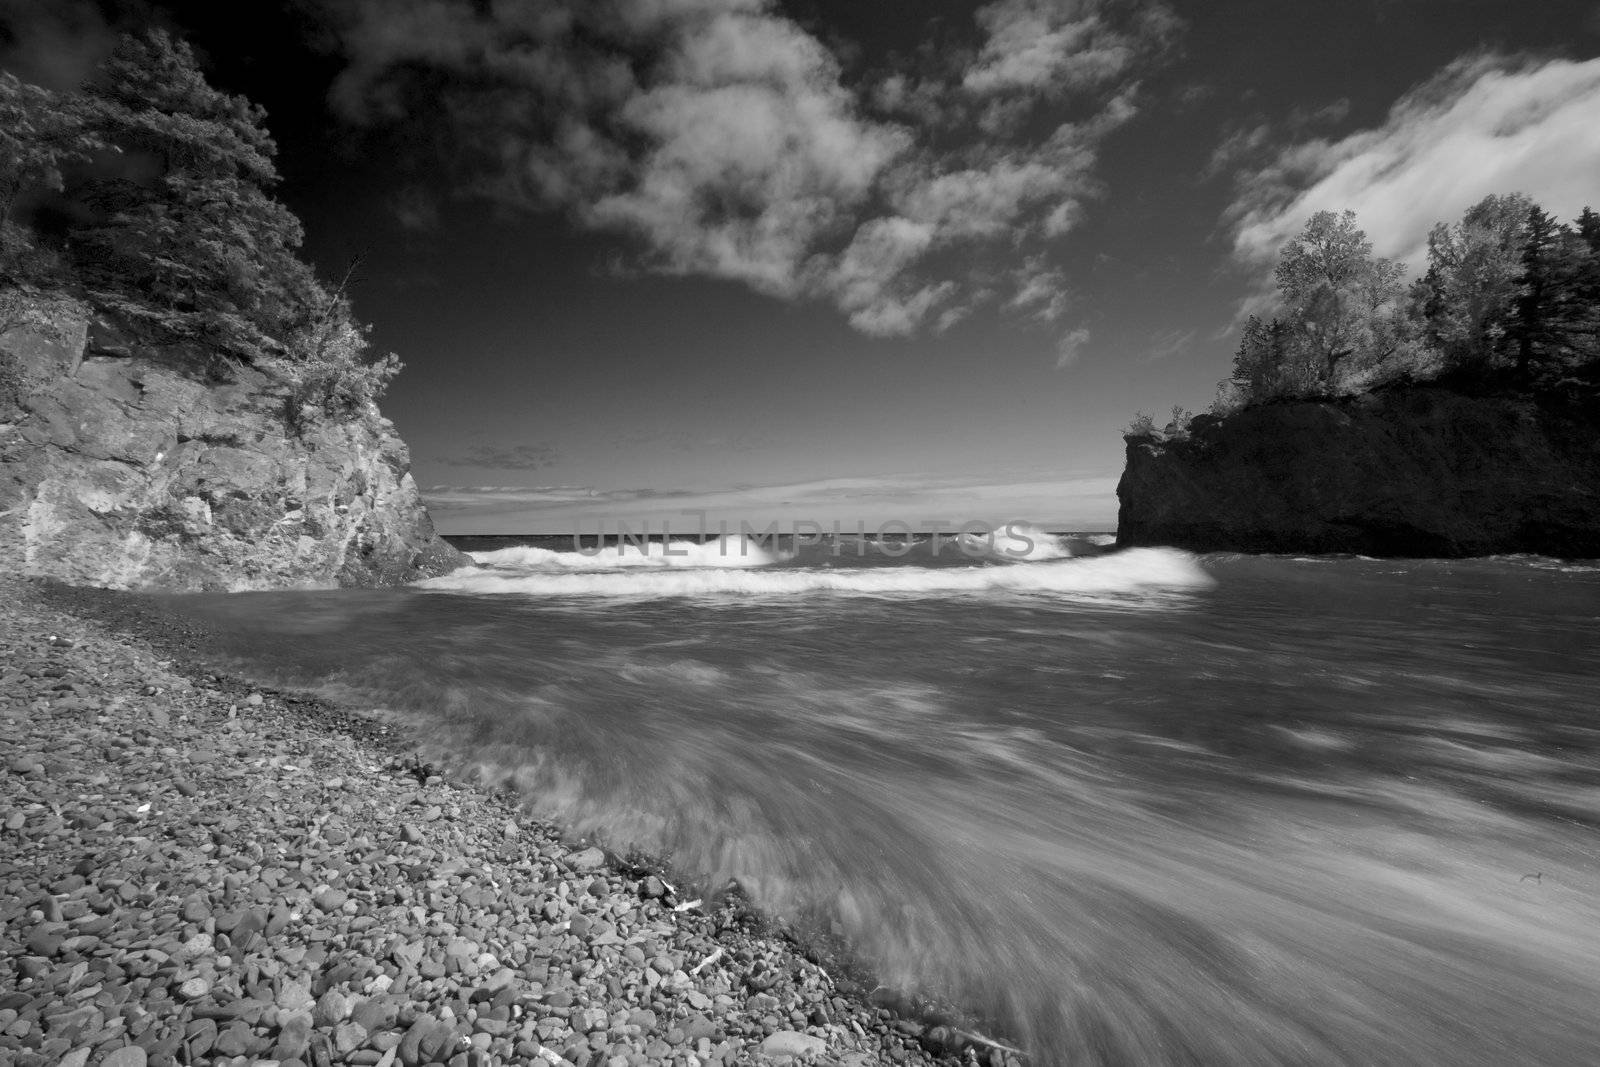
x=391, y=913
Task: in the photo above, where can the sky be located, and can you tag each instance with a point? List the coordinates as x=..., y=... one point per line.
x=855, y=261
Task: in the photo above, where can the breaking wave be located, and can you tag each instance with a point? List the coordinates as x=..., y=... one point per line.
x=1136, y=572
x=726, y=552
x=1019, y=542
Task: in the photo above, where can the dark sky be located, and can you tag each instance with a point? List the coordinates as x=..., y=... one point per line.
x=847, y=259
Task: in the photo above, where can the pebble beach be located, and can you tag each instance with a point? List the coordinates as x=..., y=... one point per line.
x=195, y=871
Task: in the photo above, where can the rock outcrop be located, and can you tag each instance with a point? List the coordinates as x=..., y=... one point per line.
x=123, y=465
x=1414, y=471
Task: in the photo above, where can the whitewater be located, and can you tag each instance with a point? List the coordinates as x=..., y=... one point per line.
x=1132, y=807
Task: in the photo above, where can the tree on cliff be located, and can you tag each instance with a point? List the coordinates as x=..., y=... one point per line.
x=1340, y=302
x=41, y=134
x=164, y=187
x=184, y=234
x=1509, y=290
x=1341, y=315
x=1552, y=320
x=1467, y=298
x=1269, y=363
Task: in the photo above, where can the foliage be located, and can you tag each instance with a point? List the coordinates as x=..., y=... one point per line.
x=41, y=134
x=164, y=185
x=1511, y=295
x=329, y=369
x=1143, y=425
x=1466, y=298
x=1342, y=308
x=185, y=236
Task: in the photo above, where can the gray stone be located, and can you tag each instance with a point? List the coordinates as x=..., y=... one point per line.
x=792, y=1044
x=587, y=860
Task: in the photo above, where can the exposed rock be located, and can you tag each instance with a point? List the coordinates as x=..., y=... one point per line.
x=1417, y=471
x=128, y=467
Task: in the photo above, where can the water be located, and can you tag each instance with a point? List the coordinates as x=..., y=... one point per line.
x=1140, y=808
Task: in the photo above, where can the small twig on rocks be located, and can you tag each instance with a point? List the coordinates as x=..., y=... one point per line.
x=686, y=905
x=708, y=961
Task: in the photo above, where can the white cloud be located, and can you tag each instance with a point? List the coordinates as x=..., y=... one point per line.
x=1052, y=47
x=1164, y=344
x=1069, y=349
x=1483, y=125
x=744, y=179
x=1041, y=291
x=730, y=141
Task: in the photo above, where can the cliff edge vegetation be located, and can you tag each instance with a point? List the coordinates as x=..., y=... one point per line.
x=183, y=403
x=1453, y=416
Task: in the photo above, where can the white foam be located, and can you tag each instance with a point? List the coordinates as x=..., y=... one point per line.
x=730, y=551
x=1019, y=542
x=1136, y=572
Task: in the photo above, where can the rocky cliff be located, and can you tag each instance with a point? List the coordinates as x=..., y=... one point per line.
x=1416, y=471
x=132, y=466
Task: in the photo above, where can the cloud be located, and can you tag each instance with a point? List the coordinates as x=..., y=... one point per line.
x=54, y=43
x=1053, y=47
x=524, y=457
x=1070, y=347
x=1164, y=344
x=414, y=209
x=731, y=143
x=1041, y=291
x=1485, y=124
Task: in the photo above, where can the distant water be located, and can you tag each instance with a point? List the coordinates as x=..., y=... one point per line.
x=1142, y=807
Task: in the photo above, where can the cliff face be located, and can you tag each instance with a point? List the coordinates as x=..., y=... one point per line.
x=121, y=466
x=1418, y=471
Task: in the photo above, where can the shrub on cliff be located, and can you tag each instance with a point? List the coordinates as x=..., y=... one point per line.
x=329, y=366
x=153, y=190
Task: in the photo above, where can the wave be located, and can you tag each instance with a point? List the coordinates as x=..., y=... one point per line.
x=724, y=552
x=1019, y=542
x=1136, y=572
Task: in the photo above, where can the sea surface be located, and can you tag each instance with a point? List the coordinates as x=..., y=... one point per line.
x=1137, y=807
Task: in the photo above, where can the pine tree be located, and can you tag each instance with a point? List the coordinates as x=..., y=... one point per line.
x=1588, y=229
x=1584, y=259
x=1534, y=324
x=186, y=236
x=41, y=134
